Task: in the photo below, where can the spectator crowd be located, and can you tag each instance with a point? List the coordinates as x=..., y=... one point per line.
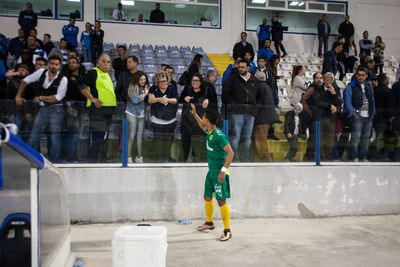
x=63, y=92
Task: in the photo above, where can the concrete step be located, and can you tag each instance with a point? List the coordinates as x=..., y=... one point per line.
x=220, y=61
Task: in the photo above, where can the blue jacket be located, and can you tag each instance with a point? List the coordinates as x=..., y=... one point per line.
x=71, y=34
x=321, y=28
x=227, y=73
x=330, y=62
x=252, y=66
x=263, y=32
x=136, y=104
x=15, y=46
x=3, y=52
x=348, y=98
x=266, y=52
x=85, y=40
x=27, y=21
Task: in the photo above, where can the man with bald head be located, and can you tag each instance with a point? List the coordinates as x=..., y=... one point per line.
x=101, y=103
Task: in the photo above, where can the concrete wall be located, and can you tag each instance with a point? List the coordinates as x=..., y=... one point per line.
x=377, y=17
x=271, y=190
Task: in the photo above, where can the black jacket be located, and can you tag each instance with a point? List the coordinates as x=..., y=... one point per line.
x=346, y=29
x=330, y=62
x=96, y=38
x=239, y=50
x=119, y=66
x=382, y=99
x=346, y=47
x=266, y=113
x=122, y=86
x=289, y=125
x=277, y=31
x=241, y=96
x=157, y=16
x=324, y=99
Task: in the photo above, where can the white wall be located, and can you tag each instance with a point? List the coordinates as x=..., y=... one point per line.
x=172, y=192
x=378, y=17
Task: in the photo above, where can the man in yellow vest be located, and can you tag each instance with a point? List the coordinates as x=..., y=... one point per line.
x=101, y=104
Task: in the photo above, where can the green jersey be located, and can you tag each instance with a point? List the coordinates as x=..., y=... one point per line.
x=216, y=141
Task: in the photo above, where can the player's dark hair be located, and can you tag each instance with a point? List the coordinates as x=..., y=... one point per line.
x=212, y=115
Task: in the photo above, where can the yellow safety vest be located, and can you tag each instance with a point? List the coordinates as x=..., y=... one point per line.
x=105, y=89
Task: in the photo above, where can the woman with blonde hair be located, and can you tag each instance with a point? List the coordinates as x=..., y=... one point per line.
x=299, y=85
x=135, y=94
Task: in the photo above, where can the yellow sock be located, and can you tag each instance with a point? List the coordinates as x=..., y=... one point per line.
x=225, y=216
x=209, y=206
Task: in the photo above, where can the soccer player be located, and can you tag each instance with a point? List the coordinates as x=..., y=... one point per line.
x=220, y=155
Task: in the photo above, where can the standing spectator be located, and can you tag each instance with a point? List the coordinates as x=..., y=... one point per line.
x=119, y=63
x=27, y=19
x=263, y=33
x=299, y=85
x=34, y=50
x=247, y=56
x=70, y=33
x=75, y=103
x=241, y=92
x=293, y=129
x=272, y=64
x=47, y=43
x=164, y=105
x=346, y=28
x=324, y=30
x=136, y=93
x=118, y=13
x=266, y=50
x=242, y=47
x=52, y=86
x=96, y=38
x=171, y=81
x=350, y=53
x=330, y=59
x=126, y=78
x=328, y=101
x=3, y=52
x=266, y=117
x=269, y=77
x=394, y=105
x=277, y=36
x=366, y=45
x=202, y=97
x=341, y=59
x=61, y=51
x=86, y=43
x=381, y=120
x=156, y=15
x=194, y=67
x=359, y=105
x=101, y=105
x=231, y=69
x=17, y=44
x=379, y=55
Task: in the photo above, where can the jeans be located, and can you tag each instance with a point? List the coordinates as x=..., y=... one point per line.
x=163, y=137
x=322, y=40
x=136, y=127
x=242, y=126
x=360, y=133
x=53, y=116
x=293, y=143
x=87, y=55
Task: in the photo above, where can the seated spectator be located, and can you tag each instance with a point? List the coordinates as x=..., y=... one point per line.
x=211, y=79
x=359, y=105
x=70, y=33
x=164, y=105
x=85, y=41
x=119, y=63
x=293, y=130
x=26, y=59
x=139, y=19
x=41, y=63
x=243, y=46
x=33, y=32
x=266, y=50
x=379, y=54
x=299, y=85
x=101, y=105
x=96, y=41
x=47, y=43
x=118, y=13
x=27, y=19
x=125, y=78
x=202, y=97
x=156, y=15
x=370, y=65
x=61, y=51
x=17, y=44
x=262, y=66
x=34, y=50
x=247, y=56
x=350, y=53
x=330, y=59
x=382, y=118
x=51, y=91
x=135, y=113
x=266, y=117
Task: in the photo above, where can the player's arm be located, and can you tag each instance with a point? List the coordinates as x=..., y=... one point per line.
x=196, y=116
x=228, y=161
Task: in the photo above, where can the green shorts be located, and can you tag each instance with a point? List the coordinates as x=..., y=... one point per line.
x=222, y=191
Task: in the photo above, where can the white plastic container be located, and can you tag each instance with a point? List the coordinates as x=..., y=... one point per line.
x=140, y=246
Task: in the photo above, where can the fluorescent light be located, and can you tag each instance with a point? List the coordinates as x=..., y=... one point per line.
x=76, y=1
x=128, y=3
x=301, y=4
x=180, y=5
x=294, y=3
x=258, y=1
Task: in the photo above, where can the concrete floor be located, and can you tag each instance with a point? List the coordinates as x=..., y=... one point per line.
x=341, y=241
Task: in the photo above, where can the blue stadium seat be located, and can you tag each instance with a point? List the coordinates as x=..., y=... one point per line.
x=163, y=60
x=123, y=44
x=197, y=49
x=134, y=53
x=140, y=67
x=147, y=53
x=161, y=53
x=148, y=60
x=160, y=48
x=147, y=47
x=180, y=69
x=88, y=65
x=172, y=48
x=149, y=68
x=174, y=54
x=108, y=45
x=188, y=55
x=205, y=69
x=206, y=62
x=185, y=48
x=177, y=61
x=134, y=46
x=219, y=81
